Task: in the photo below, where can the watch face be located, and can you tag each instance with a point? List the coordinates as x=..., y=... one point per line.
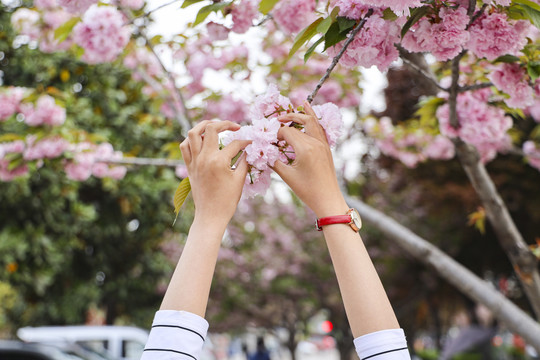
x=356, y=222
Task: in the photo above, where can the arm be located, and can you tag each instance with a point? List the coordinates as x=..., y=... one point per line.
x=179, y=330
x=312, y=177
x=216, y=191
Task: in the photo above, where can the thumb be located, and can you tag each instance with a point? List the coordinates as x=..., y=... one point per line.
x=241, y=166
x=284, y=171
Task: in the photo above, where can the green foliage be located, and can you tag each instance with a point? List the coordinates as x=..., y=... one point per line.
x=416, y=14
x=180, y=195
x=267, y=5
x=207, y=10
x=73, y=245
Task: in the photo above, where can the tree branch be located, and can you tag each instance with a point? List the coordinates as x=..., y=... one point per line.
x=143, y=162
x=336, y=59
x=182, y=116
x=474, y=87
x=453, y=272
x=524, y=262
x=421, y=71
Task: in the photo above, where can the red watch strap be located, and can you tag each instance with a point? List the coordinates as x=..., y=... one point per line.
x=337, y=219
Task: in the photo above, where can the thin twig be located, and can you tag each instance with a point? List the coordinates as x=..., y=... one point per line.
x=476, y=16
x=474, y=87
x=424, y=73
x=150, y=12
x=143, y=162
x=264, y=19
x=453, y=92
x=182, y=116
x=335, y=61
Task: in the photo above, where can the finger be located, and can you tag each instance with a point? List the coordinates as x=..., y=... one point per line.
x=308, y=109
x=282, y=169
x=212, y=130
x=231, y=150
x=186, y=151
x=310, y=122
x=292, y=136
x=195, y=137
x=241, y=167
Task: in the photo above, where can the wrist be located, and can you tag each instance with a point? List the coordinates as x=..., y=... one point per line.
x=335, y=206
x=210, y=224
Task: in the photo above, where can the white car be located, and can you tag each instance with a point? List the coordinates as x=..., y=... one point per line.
x=120, y=342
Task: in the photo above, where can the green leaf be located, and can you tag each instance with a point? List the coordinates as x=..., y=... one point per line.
x=187, y=3
x=528, y=3
x=10, y=137
x=207, y=10
x=507, y=59
x=325, y=24
x=180, y=195
x=345, y=24
x=532, y=14
x=304, y=36
x=427, y=111
x=63, y=31
x=333, y=36
x=416, y=15
x=312, y=48
x=267, y=5
x=533, y=69
x=388, y=14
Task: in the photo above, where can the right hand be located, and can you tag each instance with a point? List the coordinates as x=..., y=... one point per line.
x=312, y=175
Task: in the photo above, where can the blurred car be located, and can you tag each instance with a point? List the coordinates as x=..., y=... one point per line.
x=119, y=342
x=17, y=350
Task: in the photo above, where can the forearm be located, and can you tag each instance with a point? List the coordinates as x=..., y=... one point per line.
x=190, y=284
x=366, y=303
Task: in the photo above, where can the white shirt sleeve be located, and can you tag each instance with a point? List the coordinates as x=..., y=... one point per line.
x=383, y=345
x=175, y=335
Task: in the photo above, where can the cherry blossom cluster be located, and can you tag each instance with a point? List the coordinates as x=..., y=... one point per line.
x=479, y=124
x=445, y=31
x=81, y=160
x=44, y=112
x=90, y=159
x=102, y=33
x=514, y=81
x=266, y=148
x=409, y=147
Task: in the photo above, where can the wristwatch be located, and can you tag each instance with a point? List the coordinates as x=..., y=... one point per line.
x=352, y=218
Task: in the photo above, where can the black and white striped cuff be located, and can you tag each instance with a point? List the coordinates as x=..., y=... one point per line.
x=176, y=335
x=383, y=345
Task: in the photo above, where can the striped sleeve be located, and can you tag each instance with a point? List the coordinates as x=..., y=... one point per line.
x=383, y=345
x=175, y=335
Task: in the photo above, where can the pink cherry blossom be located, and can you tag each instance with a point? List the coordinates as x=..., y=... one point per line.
x=532, y=152
x=45, y=4
x=130, y=4
x=440, y=148
x=49, y=148
x=10, y=101
x=353, y=9
x=373, y=45
x=26, y=22
x=243, y=14
x=480, y=124
x=217, y=31
x=493, y=35
x=227, y=108
x=294, y=15
x=76, y=6
x=269, y=103
x=512, y=79
x=101, y=34
x=46, y=112
x=331, y=121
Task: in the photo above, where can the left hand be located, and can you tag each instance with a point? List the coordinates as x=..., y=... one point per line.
x=216, y=186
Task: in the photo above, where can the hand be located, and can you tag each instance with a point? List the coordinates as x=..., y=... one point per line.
x=312, y=175
x=216, y=186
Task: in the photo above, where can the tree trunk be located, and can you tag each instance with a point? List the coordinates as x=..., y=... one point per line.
x=456, y=274
x=524, y=262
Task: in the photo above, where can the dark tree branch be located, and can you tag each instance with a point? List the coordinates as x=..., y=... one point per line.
x=336, y=59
